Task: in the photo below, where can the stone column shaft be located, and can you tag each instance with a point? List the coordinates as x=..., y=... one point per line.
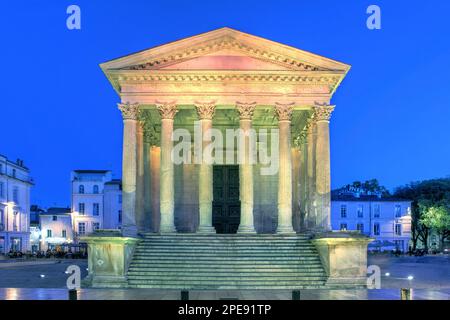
x=129, y=167
x=140, y=214
x=311, y=176
x=322, y=115
x=167, y=190
x=284, y=113
x=205, y=112
x=246, y=224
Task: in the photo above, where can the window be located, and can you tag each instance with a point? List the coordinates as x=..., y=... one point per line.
x=359, y=211
x=360, y=227
x=95, y=226
x=398, y=211
x=120, y=216
x=49, y=233
x=376, y=210
x=81, y=208
x=343, y=211
x=343, y=227
x=15, y=213
x=1, y=189
x=376, y=229
x=1, y=219
x=1, y=168
x=13, y=173
x=81, y=228
x=95, y=189
x=95, y=209
x=120, y=198
x=16, y=195
x=398, y=229
x=81, y=189
x=64, y=234
x=55, y=218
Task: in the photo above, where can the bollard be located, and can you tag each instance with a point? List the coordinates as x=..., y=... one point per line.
x=296, y=295
x=184, y=295
x=405, y=294
x=73, y=294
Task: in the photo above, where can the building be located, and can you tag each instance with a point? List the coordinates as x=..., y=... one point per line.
x=386, y=219
x=113, y=204
x=96, y=201
x=35, y=229
x=225, y=135
x=55, y=228
x=15, y=186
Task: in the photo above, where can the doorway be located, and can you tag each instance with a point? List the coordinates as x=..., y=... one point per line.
x=226, y=211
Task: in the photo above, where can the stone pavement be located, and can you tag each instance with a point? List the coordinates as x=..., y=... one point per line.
x=152, y=294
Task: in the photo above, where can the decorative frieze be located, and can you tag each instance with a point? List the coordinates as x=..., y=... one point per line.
x=130, y=111
x=245, y=110
x=167, y=110
x=284, y=111
x=205, y=110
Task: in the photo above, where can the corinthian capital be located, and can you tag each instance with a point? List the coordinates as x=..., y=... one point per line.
x=323, y=112
x=205, y=110
x=245, y=110
x=284, y=111
x=167, y=110
x=129, y=111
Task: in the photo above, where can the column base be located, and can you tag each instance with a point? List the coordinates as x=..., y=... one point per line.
x=246, y=229
x=168, y=229
x=129, y=231
x=285, y=230
x=206, y=229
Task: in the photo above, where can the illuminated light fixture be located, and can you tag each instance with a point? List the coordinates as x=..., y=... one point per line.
x=387, y=274
x=410, y=277
x=42, y=275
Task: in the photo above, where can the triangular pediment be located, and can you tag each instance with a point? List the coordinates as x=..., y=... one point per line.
x=224, y=49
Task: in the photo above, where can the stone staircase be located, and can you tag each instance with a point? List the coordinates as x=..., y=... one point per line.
x=218, y=261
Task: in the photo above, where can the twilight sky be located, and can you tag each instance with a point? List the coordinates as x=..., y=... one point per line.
x=392, y=114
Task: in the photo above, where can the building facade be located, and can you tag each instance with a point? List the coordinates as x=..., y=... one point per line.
x=15, y=186
x=55, y=228
x=96, y=201
x=386, y=219
x=225, y=79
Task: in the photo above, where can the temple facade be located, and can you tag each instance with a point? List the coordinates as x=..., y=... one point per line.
x=226, y=170
x=226, y=79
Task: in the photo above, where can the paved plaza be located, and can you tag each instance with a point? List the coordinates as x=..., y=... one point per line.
x=46, y=280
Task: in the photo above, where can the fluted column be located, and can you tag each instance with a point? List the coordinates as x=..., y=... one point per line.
x=322, y=115
x=167, y=190
x=205, y=113
x=311, y=174
x=246, y=225
x=149, y=143
x=130, y=114
x=140, y=214
x=284, y=114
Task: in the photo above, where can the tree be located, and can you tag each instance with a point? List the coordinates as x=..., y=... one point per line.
x=424, y=194
x=438, y=218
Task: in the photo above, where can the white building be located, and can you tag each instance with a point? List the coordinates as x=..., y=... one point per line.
x=96, y=201
x=386, y=219
x=15, y=185
x=55, y=228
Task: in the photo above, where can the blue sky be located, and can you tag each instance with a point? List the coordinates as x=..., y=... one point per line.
x=392, y=115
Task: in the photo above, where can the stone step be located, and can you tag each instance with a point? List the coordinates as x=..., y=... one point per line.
x=225, y=236
x=296, y=286
x=299, y=252
x=227, y=264
x=249, y=274
x=152, y=244
x=242, y=269
x=214, y=282
x=225, y=259
x=234, y=255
